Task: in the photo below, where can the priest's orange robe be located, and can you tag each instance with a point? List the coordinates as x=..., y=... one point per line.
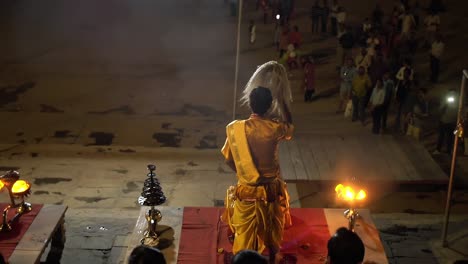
x=257, y=208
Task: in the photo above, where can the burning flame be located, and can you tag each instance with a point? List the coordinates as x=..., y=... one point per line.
x=347, y=193
x=20, y=186
x=1, y=185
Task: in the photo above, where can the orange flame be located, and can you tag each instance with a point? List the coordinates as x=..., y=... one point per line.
x=347, y=193
x=20, y=186
x=1, y=185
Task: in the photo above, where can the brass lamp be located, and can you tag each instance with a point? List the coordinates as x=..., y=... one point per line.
x=348, y=194
x=17, y=189
x=152, y=195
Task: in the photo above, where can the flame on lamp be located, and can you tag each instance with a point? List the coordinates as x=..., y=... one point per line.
x=20, y=186
x=1, y=185
x=347, y=193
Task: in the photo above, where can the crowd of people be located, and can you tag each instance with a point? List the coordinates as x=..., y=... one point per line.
x=381, y=78
x=374, y=59
x=375, y=63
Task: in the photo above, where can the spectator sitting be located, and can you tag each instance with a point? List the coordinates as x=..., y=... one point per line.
x=248, y=257
x=146, y=255
x=345, y=247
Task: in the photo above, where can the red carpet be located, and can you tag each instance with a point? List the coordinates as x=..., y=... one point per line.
x=203, y=233
x=9, y=240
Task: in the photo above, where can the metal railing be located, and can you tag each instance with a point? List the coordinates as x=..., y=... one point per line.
x=458, y=133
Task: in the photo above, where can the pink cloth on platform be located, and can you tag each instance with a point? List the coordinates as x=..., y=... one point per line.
x=203, y=234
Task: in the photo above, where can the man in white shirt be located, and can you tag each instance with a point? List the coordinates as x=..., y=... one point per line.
x=437, y=50
x=377, y=106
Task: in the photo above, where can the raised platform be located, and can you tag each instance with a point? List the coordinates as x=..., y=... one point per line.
x=200, y=237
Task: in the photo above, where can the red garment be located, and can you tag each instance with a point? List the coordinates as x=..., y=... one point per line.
x=295, y=38
x=309, y=73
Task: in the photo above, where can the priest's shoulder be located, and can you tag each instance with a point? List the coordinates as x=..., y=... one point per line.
x=234, y=122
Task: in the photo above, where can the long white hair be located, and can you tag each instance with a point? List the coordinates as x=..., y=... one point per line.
x=273, y=76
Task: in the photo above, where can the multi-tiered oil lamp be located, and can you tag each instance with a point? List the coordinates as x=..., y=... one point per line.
x=152, y=195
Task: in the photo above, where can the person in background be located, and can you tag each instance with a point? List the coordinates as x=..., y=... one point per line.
x=361, y=84
x=432, y=22
x=448, y=120
x=315, y=13
x=341, y=16
x=416, y=10
x=363, y=59
x=418, y=115
x=333, y=17
x=377, y=68
x=403, y=91
x=248, y=257
x=295, y=37
x=309, y=80
x=437, y=49
x=365, y=31
x=347, y=74
x=324, y=16
x=366, y=26
x=283, y=41
x=373, y=42
x=276, y=39
x=345, y=44
x=389, y=87
x=146, y=255
x=252, y=32
x=291, y=58
x=406, y=67
x=407, y=23
x=377, y=101
x=377, y=16
x=345, y=247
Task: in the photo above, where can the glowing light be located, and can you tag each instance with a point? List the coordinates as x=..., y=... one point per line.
x=347, y=193
x=277, y=17
x=20, y=186
x=361, y=195
x=1, y=185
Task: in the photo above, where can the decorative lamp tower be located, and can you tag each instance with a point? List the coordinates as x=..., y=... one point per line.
x=152, y=195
